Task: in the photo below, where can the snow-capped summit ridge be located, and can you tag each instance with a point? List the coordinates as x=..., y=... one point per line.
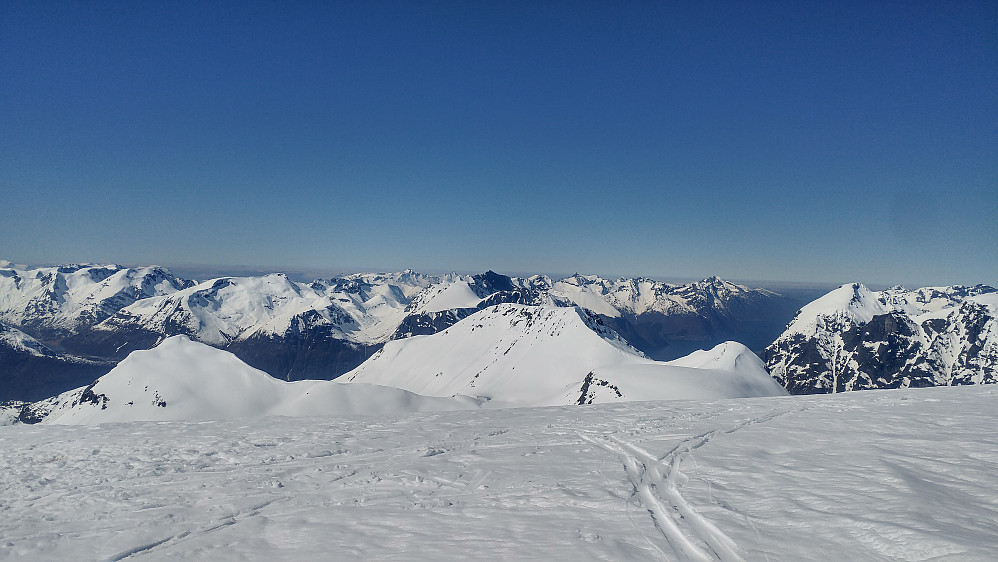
x=527, y=355
x=852, y=301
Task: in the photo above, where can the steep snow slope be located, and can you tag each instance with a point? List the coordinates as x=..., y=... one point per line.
x=852, y=303
x=854, y=339
x=185, y=380
x=891, y=475
x=529, y=355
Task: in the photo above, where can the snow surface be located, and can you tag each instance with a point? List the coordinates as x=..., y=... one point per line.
x=185, y=380
x=541, y=356
x=884, y=475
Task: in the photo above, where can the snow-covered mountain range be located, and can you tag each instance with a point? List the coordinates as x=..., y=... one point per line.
x=54, y=302
x=504, y=356
x=855, y=339
x=320, y=330
x=62, y=327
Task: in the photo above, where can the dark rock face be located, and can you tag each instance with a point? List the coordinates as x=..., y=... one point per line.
x=890, y=351
x=590, y=386
x=491, y=282
x=427, y=323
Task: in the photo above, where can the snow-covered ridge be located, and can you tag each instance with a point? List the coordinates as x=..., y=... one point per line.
x=505, y=355
x=322, y=329
x=853, y=303
x=856, y=304
x=185, y=380
x=543, y=355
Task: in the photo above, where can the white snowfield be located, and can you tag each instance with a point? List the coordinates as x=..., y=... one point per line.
x=522, y=355
x=185, y=380
x=881, y=475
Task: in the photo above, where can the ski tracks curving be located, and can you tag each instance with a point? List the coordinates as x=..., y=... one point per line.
x=656, y=484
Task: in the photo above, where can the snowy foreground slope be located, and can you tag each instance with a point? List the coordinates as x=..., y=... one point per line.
x=894, y=474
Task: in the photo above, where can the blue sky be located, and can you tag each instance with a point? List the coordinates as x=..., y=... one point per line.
x=798, y=141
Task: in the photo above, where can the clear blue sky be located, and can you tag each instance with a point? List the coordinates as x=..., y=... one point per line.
x=825, y=141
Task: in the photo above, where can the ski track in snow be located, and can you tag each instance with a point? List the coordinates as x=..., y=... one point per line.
x=657, y=479
x=885, y=475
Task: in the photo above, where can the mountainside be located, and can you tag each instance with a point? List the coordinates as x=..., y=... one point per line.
x=54, y=302
x=857, y=339
x=30, y=370
x=543, y=355
x=292, y=330
x=185, y=380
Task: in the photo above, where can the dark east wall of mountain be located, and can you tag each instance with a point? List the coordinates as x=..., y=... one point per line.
x=314, y=354
x=28, y=378
x=310, y=352
x=111, y=345
x=666, y=337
